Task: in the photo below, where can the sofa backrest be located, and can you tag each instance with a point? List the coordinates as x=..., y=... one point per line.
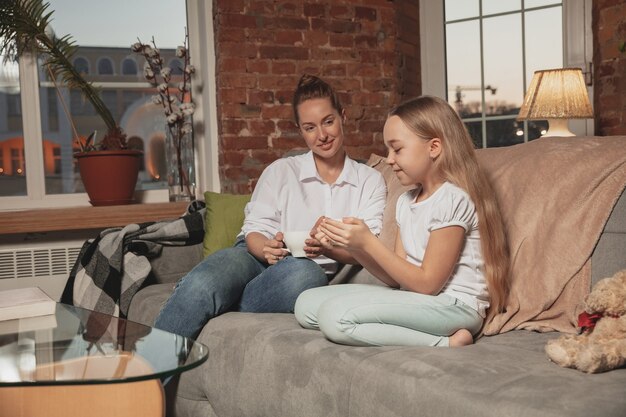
x=556, y=195
x=536, y=177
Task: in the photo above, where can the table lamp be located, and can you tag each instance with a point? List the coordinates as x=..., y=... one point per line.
x=556, y=95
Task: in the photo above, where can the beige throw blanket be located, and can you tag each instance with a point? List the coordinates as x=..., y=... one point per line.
x=555, y=195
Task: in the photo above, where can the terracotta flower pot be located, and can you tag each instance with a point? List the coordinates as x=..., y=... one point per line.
x=109, y=176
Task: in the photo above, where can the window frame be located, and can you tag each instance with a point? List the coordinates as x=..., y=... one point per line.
x=202, y=49
x=577, y=50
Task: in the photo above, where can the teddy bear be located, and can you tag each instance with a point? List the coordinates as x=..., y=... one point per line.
x=601, y=344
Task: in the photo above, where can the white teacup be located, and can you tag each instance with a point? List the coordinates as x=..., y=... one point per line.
x=295, y=242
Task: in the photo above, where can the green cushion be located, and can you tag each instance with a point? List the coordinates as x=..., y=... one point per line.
x=224, y=218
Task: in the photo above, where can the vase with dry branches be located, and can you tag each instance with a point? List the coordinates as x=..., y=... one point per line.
x=178, y=107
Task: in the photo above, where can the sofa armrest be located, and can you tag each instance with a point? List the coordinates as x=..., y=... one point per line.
x=608, y=255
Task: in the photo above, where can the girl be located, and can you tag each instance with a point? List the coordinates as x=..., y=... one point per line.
x=451, y=256
x=293, y=193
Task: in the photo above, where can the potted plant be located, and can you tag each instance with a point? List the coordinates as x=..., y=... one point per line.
x=108, y=168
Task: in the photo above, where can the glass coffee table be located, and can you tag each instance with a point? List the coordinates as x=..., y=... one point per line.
x=78, y=362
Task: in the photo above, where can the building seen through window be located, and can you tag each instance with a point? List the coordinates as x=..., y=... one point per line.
x=492, y=50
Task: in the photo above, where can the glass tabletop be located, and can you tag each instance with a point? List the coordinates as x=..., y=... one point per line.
x=78, y=346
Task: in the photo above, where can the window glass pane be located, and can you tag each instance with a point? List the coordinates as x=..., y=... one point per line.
x=500, y=6
x=460, y=9
x=104, y=54
x=463, y=67
x=475, y=130
x=504, y=132
x=544, y=40
x=537, y=3
x=12, y=164
x=502, y=43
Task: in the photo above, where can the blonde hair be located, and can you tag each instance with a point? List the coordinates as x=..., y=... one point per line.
x=431, y=117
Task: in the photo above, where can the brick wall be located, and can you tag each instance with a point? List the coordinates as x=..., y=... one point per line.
x=609, y=34
x=367, y=49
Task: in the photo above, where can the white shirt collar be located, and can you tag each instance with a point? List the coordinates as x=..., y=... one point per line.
x=348, y=173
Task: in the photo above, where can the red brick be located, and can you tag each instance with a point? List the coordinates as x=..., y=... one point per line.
x=229, y=80
x=314, y=10
x=335, y=70
x=260, y=8
x=284, y=96
x=313, y=39
x=262, y=127
x=264, y=157
x=283, y=52
x=340, y=40
x=341, y=12
x=288, y=143
x=365, y=41
x=233, y=20
x=288, y=37
x=365, y=13
x=340, y=26
x=283, y=67
x=231, y=49
x=232, y=95
x=260, y=36
x=288, y=9
x=288, y=127
x=232, y=157
x=233, y=126
x=282, y=22
x=260, y=96
x=260, y=66
x=235, y=6
x=313, y=68
x=270, y=82
x=245, y=142
x=279, y=111
x=231, y=35
x=231, y=64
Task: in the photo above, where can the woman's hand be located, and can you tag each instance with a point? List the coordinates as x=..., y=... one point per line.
x=351, y=233
x=273, y=249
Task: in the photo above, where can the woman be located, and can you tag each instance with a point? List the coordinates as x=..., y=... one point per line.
x=293, y=193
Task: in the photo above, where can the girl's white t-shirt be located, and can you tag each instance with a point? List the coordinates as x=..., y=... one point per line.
x=447, y=206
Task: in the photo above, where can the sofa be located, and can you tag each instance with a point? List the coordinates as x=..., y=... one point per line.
x=564, y=208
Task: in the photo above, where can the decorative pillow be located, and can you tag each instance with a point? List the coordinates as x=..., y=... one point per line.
x=394, y=190
x=224, y=218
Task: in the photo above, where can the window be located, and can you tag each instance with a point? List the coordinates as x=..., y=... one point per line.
x=492, y=48
x=177, y=66
x=105, y=66
x=129, y=67
x=81, y=65
x=47, y=129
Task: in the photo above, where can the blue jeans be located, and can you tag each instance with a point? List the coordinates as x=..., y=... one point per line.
x=373, y=315
x=234, y=280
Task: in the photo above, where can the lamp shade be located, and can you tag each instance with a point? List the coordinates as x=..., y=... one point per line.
x=556, y=94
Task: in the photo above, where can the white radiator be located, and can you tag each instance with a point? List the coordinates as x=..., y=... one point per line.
x=38, y=261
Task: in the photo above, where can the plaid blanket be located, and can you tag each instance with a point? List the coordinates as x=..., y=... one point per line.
x=111, y=268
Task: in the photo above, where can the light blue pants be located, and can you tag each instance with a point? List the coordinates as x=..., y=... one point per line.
x=372, y=315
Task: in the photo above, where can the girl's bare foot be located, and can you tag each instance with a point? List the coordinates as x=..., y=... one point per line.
x=462, y=337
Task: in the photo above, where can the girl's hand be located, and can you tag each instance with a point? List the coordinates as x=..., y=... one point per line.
x=314, y=247
x=352, y=233
x=273, y=249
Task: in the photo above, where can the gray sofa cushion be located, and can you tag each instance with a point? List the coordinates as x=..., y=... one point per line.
x=266, y=365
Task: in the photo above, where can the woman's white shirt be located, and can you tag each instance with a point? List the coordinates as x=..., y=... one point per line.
x=290, y=196
x=448, y=206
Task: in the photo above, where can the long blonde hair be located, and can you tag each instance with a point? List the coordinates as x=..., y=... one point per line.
x=431, y=117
